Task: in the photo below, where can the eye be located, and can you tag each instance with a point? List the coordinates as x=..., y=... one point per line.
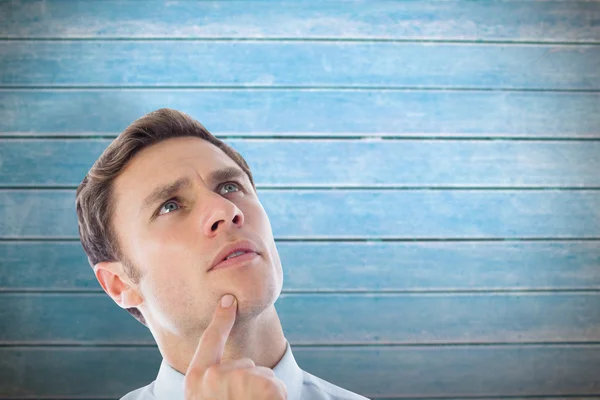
x=231, y=186
x=169, y=206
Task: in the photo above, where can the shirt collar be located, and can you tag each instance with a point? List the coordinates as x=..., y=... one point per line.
x=169, y=382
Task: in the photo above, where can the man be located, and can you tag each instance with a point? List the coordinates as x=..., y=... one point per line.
x=174, y=230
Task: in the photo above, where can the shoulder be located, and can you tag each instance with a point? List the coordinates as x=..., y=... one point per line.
x=317, y=388
x=143, y=393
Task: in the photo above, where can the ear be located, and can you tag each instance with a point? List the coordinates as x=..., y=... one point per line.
x=115, y=283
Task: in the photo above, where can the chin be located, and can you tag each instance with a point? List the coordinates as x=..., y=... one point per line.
x=255, y=301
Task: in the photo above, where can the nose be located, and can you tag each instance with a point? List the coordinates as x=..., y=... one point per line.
x=223, y=215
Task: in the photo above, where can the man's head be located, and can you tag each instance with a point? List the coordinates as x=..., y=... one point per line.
x=155, y=209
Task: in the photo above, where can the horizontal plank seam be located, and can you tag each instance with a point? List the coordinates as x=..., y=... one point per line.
x=517, y=291
x=499, y=397
x=299, y=138
x=41, y=187
x=372, y=397
x=518, y=397
x=67, y=88
x=281, y=39
x=310, y=136
x=106, y=345
x=348, y=240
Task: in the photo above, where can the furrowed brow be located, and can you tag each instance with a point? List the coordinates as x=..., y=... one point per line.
x=226, y=174
x=164, y=192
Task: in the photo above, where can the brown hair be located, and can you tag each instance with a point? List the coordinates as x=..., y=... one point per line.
x=94, y=200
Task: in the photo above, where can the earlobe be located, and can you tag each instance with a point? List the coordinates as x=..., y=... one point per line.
x=110, y=276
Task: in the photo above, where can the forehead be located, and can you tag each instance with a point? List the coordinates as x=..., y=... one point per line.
x=166, y=161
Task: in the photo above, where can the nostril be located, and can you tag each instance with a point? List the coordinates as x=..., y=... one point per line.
x=236, y=219
x=214, y=226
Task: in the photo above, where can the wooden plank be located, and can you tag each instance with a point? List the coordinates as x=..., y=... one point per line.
x=411, y=266
x=386, y=371
x=310, y=162
x=573, y=21
x=395, y=214
x=298, y=64
x=308, y=112
x=384, y=318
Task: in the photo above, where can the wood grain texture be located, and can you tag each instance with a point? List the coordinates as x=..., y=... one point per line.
x=341, y=163
x=420, y=371
x=308, y=112
x=472, y=266
x=366, y=213
x=298, y=64
x=451, y=318
x=338, y=266
x=572, y=21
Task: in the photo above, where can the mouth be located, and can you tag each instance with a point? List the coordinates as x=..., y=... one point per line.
x=234, y=254
x=240, y=259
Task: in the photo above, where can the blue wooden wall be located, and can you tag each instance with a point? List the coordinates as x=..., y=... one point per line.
x=431, y=171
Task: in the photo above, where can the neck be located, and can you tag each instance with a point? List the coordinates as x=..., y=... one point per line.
x=259, y=338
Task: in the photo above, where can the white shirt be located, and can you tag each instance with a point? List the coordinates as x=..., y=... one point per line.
x=300, y=384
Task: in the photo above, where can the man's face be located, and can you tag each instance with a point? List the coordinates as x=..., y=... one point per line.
x=174, y=240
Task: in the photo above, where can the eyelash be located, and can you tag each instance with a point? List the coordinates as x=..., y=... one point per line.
x=177, y=199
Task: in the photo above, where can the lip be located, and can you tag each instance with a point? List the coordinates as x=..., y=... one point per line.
x=238, y=261
x=242, y=245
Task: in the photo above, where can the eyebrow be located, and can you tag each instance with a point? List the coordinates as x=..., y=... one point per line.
x=169, y=190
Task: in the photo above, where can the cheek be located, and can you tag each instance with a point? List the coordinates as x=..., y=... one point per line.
x=168, y=273
x=170, y=244
x=173, y=289
x=172, y=265
x=257, y=216
x=262, y=225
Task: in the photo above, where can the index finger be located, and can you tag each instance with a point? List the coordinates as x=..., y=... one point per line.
x=212, y=342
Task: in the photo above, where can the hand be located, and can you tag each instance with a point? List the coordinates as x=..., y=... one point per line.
x=209, y=379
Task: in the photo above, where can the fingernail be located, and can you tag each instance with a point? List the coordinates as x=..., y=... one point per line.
x=226, y=301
